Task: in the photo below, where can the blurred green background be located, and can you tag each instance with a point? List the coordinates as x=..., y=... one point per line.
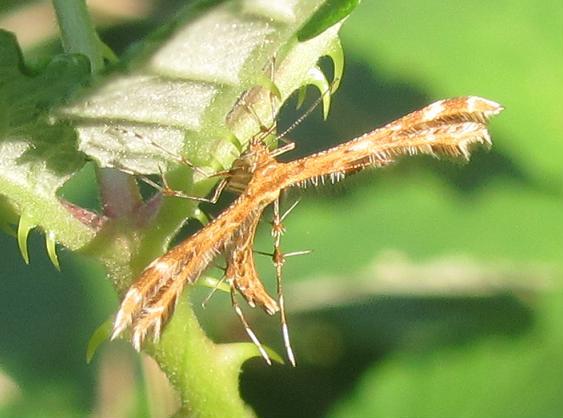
x=434, y=289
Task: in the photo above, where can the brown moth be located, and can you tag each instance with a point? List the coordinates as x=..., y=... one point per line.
x=447, y=127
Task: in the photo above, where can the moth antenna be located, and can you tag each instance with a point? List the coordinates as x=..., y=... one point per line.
x=269, y=130
x=247, y=328
x=278, y=258
x=306, y=114
x=179, y=159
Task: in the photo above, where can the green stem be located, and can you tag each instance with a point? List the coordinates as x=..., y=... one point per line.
x=205, y=374
x=77, y=31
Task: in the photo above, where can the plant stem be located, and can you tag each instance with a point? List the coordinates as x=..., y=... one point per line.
x=77, y=31
x=205, y=374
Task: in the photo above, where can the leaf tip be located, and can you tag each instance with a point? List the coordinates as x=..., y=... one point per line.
x=101, y=334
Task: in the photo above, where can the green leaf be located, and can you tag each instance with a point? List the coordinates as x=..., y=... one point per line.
x=317, y=79
x=330, y=13
x=516, y=377
x=27, y=98
x=38, y=155
x=176, y=100
x=101, y=334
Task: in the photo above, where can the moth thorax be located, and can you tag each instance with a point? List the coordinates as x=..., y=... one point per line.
x=241, y=173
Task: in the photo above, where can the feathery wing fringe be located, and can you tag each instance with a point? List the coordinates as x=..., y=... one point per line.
x=447, y=127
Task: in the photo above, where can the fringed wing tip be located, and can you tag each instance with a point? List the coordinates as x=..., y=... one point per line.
x=480, y=105
x=493, y=108
x=131, y=304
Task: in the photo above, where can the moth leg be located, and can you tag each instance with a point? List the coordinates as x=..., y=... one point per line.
x=247, y=328
x=212, y=292
x=166, y=190
x=279, y=259
x=274, y=106
x=180, y=159
x=264, y=129
x=274, y=100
